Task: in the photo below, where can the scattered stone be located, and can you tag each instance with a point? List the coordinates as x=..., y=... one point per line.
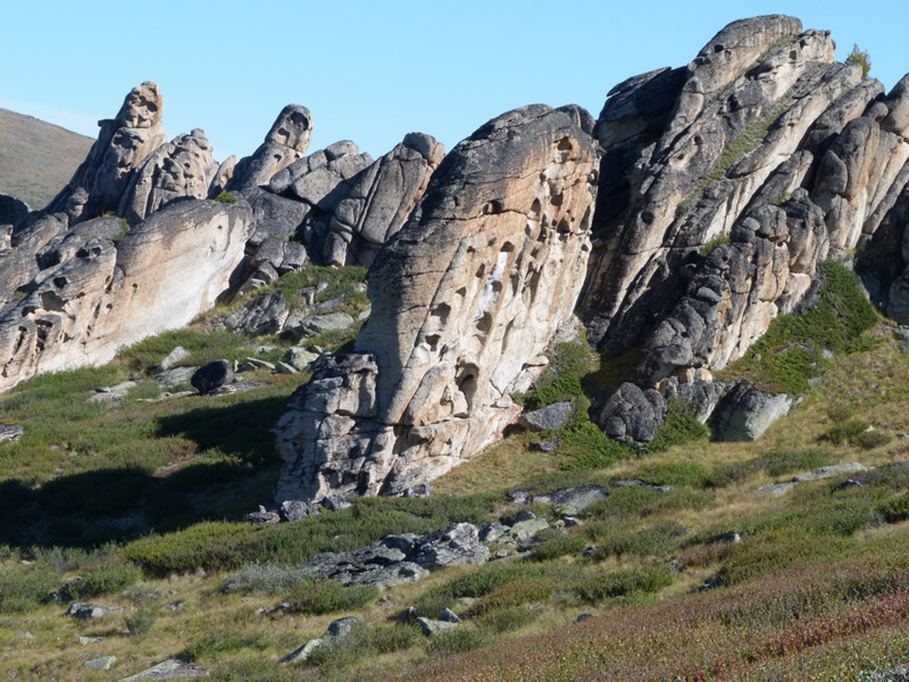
x=546, y=445
x=745, y=413
x=523, y=531
x=86, y=611
x=491, y=532
x=10, y=432
x=179, y=605
x=103, y=663
x=449, y=616
x=26, y=635
x=452, y=546
x=300, y=358
x=432, y=627
x=725, y=539
x=419, y=490
x=831, y=471
x=584, y=616
x=343, y=627
x=409, y=615
x=263, y=315
x=85, y=641
x=775, y=489
x=285, y=368
x=263, y=517
x=111, y=393
x=520, y=496
x=335, y=502
x=170, y=669
x=303, y=652
x=297, y=510
x=548, y=418
x=176, y=356
x=175, y=377
x=621, y=483
x=212, y=376
x=573, y=501
x=315, y=325
x=571, y=521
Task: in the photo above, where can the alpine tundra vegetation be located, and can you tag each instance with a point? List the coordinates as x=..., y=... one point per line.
x=615, y=398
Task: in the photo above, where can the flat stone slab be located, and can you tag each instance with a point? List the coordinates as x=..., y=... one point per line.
x=170, y=669
x=831, y=472
x=775, y=489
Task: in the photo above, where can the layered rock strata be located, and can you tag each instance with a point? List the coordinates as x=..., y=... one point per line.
x=465, y=299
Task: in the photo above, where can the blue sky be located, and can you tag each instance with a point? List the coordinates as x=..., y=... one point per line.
x=373, y=71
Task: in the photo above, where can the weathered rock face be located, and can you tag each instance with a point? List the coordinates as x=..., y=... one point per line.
x=286, y=142
x=122, y=145
x=81, y=310
x=737, y=115
x=380, y=200
x=181, y=168
x=12, y=210
x=763, y=141
x=465, y=298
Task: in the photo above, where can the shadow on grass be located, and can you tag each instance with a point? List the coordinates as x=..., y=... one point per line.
x=234, y=472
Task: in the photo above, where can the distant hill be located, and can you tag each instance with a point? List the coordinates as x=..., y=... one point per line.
x=36, y=158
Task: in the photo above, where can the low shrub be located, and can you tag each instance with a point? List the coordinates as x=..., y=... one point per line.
x=265, y=579
x=23, y=587
x=218, y=644
x=675, y=474
x=140, y=623
x=506, y=619
x=559, y=545
x=518, y=593
x=226, y=198
x=643, y=579
x=328, y=596
x=458, y=641
x=845, y=432
x=657, y=540
x=106, y=579
x=895, y=509
x=680, y=427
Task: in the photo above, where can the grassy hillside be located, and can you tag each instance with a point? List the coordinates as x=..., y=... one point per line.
x=143, y=499
x=36, y=158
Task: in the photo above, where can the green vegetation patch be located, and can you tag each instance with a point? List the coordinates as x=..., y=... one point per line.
x=316, y=597
x=792, y=352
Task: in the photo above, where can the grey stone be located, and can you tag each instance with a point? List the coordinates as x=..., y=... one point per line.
x=263, y=517
x=633, y=413
x=432, y=627
x=343, y=627
x=745, y=413
x=774, y=489
x=285, y=368
x=831, y=471
x=625, y=482
x=12, y=210
x=10, y=432
x=212, y=376
x=319, y=324
x=303, y=652
x=582, y=617
x=546, y=445
x=297, y=510
x=85, y=611
x=335, y=502
x=103, y=663
x=449, y=616
x=176, y=377
x=170, y=669
x=419, y=490
x=491, y=532
x=175, y=357
x=554, y=416
x=85, y=641
x=572, y=501
x=112, y=393
x=523, y=531
x=261, y=316
x=300, y=358
x=452, y=546
x=285, y=143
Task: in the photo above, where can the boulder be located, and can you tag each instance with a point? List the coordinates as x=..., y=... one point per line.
x=262, y=315
x=170, y=669
x=633, y=413
x=211, y=377
x=10, y=432
x=555, y=416
x=745, y=413
x=12, y=210
x=430, y=627
x=451, y=546
x=574, y=500
x=175, y=357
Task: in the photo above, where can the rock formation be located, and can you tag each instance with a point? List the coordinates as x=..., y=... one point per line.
x=286, y=142
x=181, y=168
x=122, y=145
x=81, y=310
x=465, y=299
